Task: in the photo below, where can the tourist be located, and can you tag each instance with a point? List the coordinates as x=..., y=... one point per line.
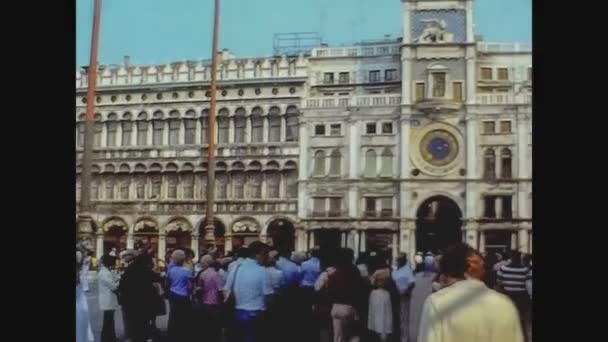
x=275, y=275
x=84, y=333
x=362, y=264
x=223, y=268
x=423, y=287
x=287, y=302
x=322, y=305
x=512, y=282
x=84, y=272
x=404, y=280
x=137, y=296
x=310, y=270
x=178, y=279
x=343, y=287
x=107, y=284
x=250, y=286
x=465, y=309
x=211, y=283
x=380, y=313
x=241, y=255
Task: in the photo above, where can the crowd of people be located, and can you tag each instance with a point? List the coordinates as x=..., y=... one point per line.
x=264, y=293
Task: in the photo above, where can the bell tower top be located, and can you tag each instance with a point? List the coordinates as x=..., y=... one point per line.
x=437, y=21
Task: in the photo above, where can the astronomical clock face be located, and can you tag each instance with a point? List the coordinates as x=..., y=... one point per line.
x=438, y=147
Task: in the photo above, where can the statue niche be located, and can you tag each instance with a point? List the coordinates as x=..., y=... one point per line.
x=435, y=31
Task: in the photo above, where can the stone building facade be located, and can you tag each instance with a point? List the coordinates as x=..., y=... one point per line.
x=401, y=145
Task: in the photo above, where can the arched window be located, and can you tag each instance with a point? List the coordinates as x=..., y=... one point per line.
x=98, y=130
x=171, y=186
x=370, y=163
x=127, y=130
x=335, y=163
x=319, y=165
x=254, y=181
x=81, y=127
x=109, y=183
x=240, y=122
x=188, y=186
x=174, y=132
x=223, y=123
x=94, y=188
x=489, y=165
x=190, y=131
x=112, y=130
x=238, y=185
x=156, y=181
x=159, y=127
x=506, y=163
x=142, y=129
x=386, y=162
x=291, y=183
x=257, y=125
x=273, y=181
x=221, y=185
x=124, y=187
x=292, y=124
x=274, y=125
x=140, y=186
x=205, y=126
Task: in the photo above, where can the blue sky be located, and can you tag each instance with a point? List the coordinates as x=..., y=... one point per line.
x=160, y=31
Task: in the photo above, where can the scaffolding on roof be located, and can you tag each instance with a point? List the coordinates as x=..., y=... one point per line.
x=295, y=43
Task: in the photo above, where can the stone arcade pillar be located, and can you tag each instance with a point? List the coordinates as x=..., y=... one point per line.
x=99, y=246
x=162, y=245
x=194, y=245
x=130, y=241
x=227, y=242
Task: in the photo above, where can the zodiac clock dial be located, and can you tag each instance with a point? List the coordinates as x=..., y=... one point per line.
x=439, y=148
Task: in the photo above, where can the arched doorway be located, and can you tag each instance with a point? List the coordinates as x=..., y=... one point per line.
x=438, y=224
x=179, y=234
x=219, y=233
x=146, y=229
x=114, y=235
x=281, y=235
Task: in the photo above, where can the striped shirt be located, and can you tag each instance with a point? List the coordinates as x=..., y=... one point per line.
x=513, y=279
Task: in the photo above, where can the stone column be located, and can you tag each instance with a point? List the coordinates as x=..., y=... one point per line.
x=471, y=152
x=265, y=128
x=162, y=245
x=134, y=132
x=498, y=169
x=119, y=134
x=469, y=22
x=513, y=240
x=198, y=133
x=404, y=167
x=522, y=147
x=482, y=241
x=353, y=201
x=311, y=239
x=354, y=150
x=471, y=235
x=130, y=241
x=303, y=158
x=406, y=67
x=104, y=134
x=523, y=241
x=149, y=140
x=283, y=129
x=165, y=132
x=522, y=204
x=395, y=248
x=248, y=129
x=411, y=229
x=99, y=245
x=264, y=238
x=194, y=245
x=231, y=138
x=363, y=241
x=343, y=239
x=227, y=242
x=355, y=235
x=182, y=132
x=498, y=207
x=471, y=81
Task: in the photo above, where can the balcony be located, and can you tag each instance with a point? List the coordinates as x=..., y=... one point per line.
x=354, y=101
x=438, y=105
x=486, y=47
x=198, y=206
x=356, y=51
x=504, y=98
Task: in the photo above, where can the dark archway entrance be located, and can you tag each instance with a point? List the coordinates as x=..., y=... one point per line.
x=178, y=239
x=219, y=233
x=328, y=239
x=281, y=235
x=438, y=224
x=115, y=237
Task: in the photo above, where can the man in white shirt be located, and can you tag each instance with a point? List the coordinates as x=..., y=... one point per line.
x=464, y=309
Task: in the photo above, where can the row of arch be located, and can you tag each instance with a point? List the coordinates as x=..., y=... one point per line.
x=189, y=167
x=192, y=113
x=372, y=167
